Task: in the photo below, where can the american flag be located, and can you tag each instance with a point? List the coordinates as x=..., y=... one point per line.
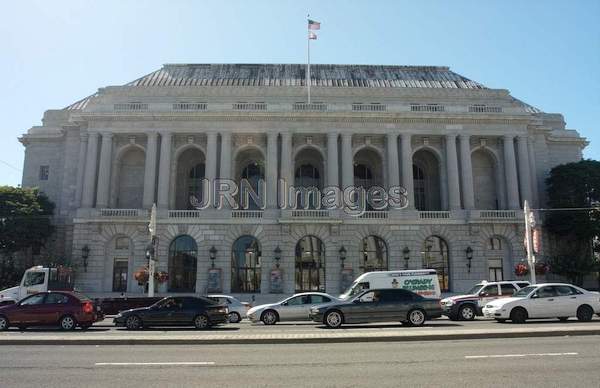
x=312, y=35
x=312, y=25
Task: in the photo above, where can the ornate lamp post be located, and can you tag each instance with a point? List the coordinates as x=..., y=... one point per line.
x=213, y=255
x=342, y=253
x=469, y=253
x=85, y=253
x=406, y=253
x=277, y=256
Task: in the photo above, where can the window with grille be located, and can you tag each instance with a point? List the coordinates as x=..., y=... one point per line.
x=44, y=173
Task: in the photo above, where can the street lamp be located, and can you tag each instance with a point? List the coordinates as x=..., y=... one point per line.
x=213, y=255
x=277, y=255
x=406, y=253
x=85, y=253
x=469, y=252
x=342, y=252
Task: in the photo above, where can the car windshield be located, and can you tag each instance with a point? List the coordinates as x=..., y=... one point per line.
x=475, y=289
x=524, y=291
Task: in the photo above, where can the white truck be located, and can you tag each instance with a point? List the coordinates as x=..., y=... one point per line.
x=38, y=279
x=424, y=282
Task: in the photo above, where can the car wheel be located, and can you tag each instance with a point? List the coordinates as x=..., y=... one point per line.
x=67, y=323
x=234, y=317
x=585, y=313
x=201, y=322
x=518, y=315
x=467, y=312
x=563, y=319
x=269, y=317
x=416, y=317
x=334, y=319
x=133, y=323
x=4, y=323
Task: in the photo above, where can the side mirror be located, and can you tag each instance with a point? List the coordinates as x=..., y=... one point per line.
x=284, y=304
x=535, y=296
x=483, y=294
x=356, y=301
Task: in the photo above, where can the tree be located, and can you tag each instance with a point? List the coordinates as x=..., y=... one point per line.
x=25, y=222
x=574, y=185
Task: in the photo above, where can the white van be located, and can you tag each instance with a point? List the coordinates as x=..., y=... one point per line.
x=424, y=282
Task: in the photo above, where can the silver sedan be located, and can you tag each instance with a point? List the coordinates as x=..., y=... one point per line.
x=294, y=308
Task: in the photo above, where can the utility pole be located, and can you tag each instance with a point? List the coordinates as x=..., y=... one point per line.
x=529, y=223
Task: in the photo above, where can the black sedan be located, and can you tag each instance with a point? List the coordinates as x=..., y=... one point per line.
x=390, y=305
x=175, y=311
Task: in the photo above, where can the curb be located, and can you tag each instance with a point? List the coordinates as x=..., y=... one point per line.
x=299, y=340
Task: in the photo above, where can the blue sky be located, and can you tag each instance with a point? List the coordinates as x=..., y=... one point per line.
x=53, y=53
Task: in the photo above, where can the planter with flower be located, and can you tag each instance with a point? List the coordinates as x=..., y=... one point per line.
x=521, y=269
x=161, y=278
x=542, y=268
x=141, y=276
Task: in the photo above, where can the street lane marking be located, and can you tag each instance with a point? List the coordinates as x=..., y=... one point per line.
x=153, y=363
x=522, y=355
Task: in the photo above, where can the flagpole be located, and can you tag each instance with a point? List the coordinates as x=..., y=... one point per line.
x=308, y=63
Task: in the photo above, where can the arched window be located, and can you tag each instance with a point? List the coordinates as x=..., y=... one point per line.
x=183, y=253
x=484, y=180
x=426, y=180
x=195, y=177
x=310, y=264
x=435, y=256
x=253, y=172
x=131, y=179
x=374, y=254
x=245, y=265
x=307, y=176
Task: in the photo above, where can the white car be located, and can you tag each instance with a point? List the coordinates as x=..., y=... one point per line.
x=294, y=308
x=547, y=300
x=237, y=309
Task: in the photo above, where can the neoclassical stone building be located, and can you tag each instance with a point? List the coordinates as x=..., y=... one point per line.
x=467, y=155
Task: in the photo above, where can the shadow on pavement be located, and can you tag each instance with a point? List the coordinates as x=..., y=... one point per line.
x=179, y=329
x=351, y=326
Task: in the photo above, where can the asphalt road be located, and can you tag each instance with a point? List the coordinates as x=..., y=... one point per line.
x=245, y=327
x=531, y=362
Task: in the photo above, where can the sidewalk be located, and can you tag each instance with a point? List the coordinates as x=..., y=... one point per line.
x=318, y=335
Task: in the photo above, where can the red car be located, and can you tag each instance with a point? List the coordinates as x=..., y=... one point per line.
x=65, y=309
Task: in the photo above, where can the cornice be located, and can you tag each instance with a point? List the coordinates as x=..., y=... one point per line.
x=330, y=117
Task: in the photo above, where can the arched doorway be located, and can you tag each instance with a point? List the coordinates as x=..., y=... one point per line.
x=183, y=259
x=484, y=180
x=374, y=254
x=245, y=265
x=310, y=264
x=368, y=170
x=308, y=174
x=498, y=257
x=190, y=174
x=435, y=256
x=426, y=180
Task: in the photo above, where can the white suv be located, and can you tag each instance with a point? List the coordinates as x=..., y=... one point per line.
x=466, y=307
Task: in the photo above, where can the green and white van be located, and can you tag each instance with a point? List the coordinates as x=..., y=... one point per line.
x=424, y=282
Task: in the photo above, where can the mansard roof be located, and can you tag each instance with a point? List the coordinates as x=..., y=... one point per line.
x=285, y=75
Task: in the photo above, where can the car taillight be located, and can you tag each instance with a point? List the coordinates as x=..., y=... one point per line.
x=88, y=307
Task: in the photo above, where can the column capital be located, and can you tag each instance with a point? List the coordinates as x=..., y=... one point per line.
x=333, y=134
x=211, y=133
x=83, y=136
x=107, y=135
x=393, y=135
x=272, y=135
x=522, y=137
x=406, y=135
x=508, y=137
x=346, y=135
x=165, y=134
x=451, y=135
x=93, y=134
x=225, y=135
x=464, y=136
x=150, y=134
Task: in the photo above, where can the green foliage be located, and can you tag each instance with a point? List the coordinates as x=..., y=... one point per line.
x=574, y=185
x=24, y=219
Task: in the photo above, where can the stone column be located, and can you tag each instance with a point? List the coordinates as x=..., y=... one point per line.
x=81, y=169
x=150, y=170
x=467, y=172
x=407, y=169
x=524, y=173
x=533, y=170
x=392, y=160
x=452, y=173
x=271, y=171
x=332, y=160
x=211, y=157
x=225, y=172
x=104, y=171
x=164, y=170
x=286, y=171
x=510, y=171
x=89, y=180
x=347, y=161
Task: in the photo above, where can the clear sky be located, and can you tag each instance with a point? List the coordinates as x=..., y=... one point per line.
x=53, y=53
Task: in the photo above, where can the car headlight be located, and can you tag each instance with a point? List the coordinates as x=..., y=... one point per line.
x=119, y=315
x=448, y=302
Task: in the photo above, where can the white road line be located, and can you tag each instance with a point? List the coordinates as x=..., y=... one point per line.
x=153, y=363
x=522, y=355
